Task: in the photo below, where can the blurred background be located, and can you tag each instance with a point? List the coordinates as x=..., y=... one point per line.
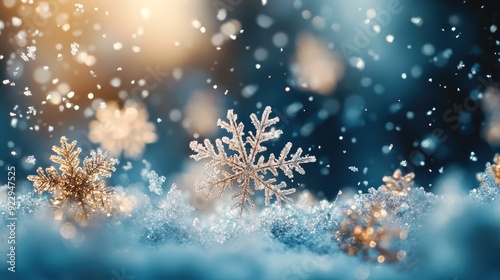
x=365, y=86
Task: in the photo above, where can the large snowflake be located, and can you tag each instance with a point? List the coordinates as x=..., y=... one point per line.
x=245, y=167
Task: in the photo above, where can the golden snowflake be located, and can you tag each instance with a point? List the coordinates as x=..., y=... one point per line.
x=78, y=190
x=398, y=183
x=367, y=231
x=246, y=167
x=126, y=130
x=495, y=168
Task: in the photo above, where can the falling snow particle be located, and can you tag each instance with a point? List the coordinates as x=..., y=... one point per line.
x=127, y=166
x=31, y=159
x=74, y=48
x=31, y=110
x=27, y=92
x=473, y=156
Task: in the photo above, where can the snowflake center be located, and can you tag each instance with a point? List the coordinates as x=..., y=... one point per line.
x=249, y=169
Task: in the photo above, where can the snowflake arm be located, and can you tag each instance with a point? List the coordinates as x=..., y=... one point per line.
x=66, y=157
x=287, y=166
x=261, y=135
x=244, y=196
x=206, y=150
x=99, y=164
x=44, y=182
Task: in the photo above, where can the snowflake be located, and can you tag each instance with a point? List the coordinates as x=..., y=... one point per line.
x=78, y=189
x=398, y=183
x=125, y=130
x=245, y=166
x=495, y=169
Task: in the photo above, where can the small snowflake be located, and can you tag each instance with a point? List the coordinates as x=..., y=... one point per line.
x=245, y=166
x=126, y=130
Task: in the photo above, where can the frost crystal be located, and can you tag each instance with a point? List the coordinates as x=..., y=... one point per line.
x=156, y=182
x=78, y=189
x=245, y=166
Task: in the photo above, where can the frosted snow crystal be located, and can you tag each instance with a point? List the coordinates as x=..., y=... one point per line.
x=156, y=182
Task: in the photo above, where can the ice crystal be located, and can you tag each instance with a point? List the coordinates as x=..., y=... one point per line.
x=156, y=182
x=77, y=189
x=125, y=130
x=245, y=166
x=398, y=183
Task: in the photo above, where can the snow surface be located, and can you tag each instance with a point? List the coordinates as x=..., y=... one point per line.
x=450, y=236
